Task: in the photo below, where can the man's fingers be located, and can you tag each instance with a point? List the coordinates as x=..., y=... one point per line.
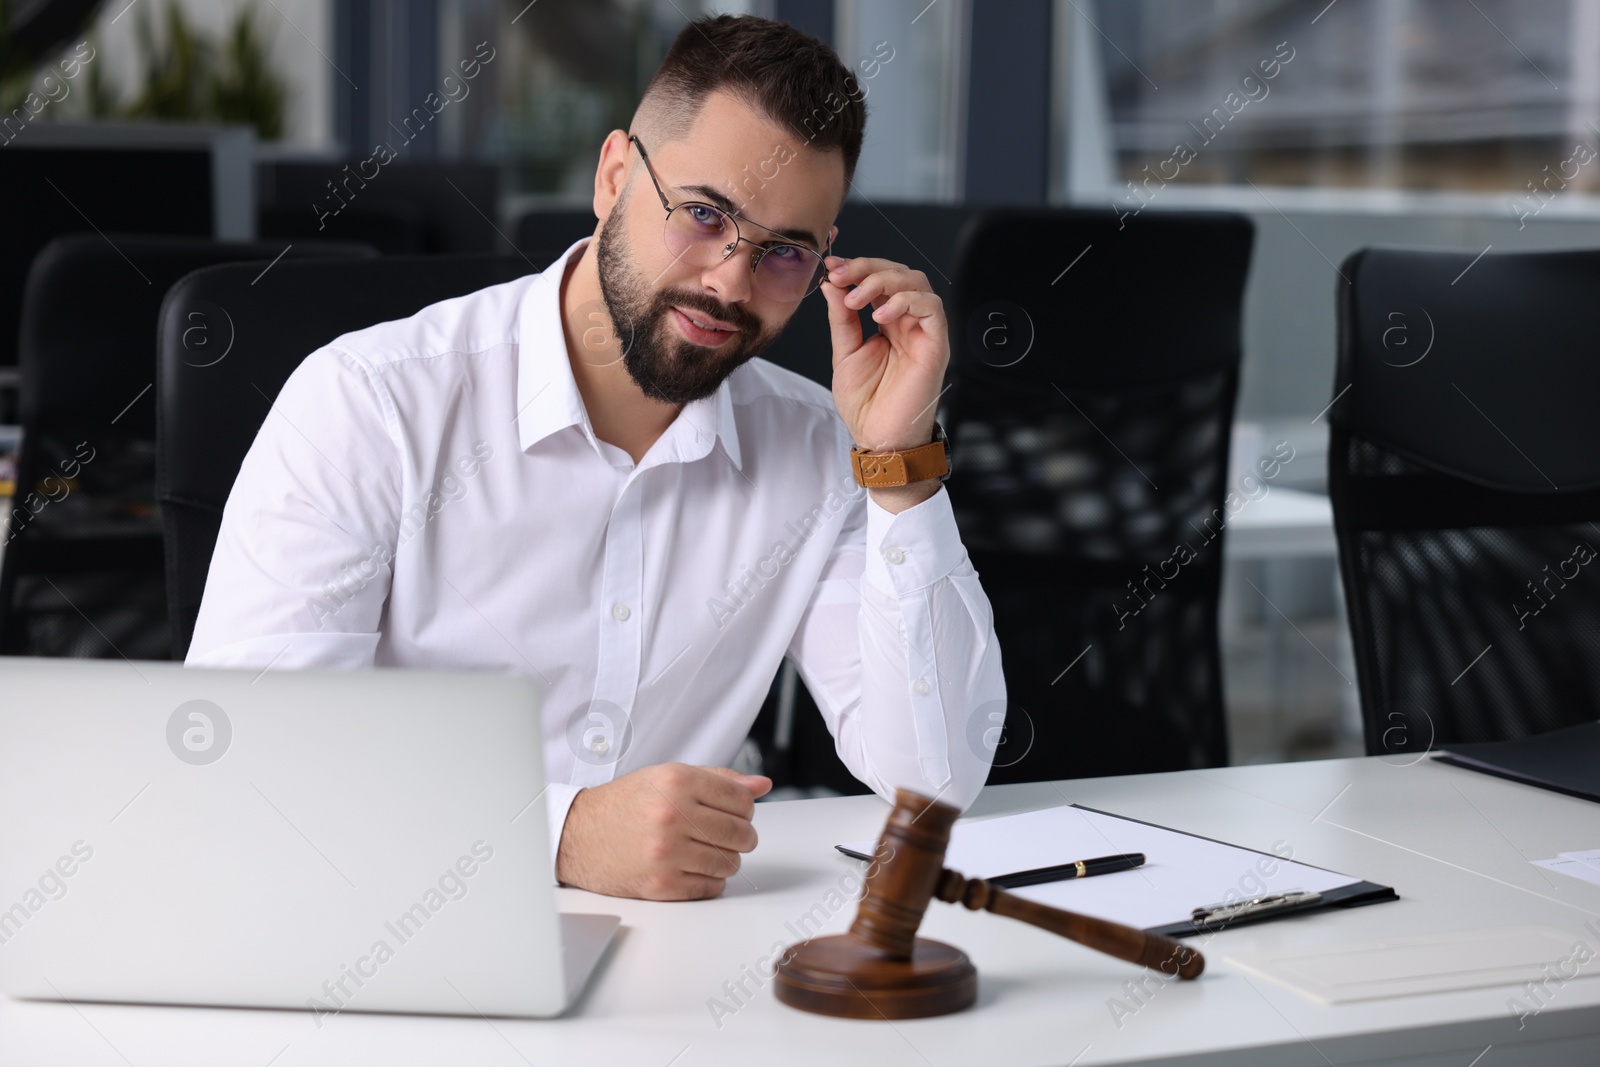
x=917, y=305
x=851, y=271
x=843, y=324
x=679, y=886
x=701, y=887
x=721, y=830
x=720, y=788
x=758, y=784
x=875, y=287
x=699, y=858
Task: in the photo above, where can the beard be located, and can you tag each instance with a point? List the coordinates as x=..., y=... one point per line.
x=665, y=365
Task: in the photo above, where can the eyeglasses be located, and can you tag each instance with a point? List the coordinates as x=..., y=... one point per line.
x=703, y=235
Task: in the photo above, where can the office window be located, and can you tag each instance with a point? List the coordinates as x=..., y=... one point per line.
x=566, y=73
x=1412, y=94
x=909, y=57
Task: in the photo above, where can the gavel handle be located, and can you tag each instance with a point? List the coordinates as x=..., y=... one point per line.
x=1115, y=939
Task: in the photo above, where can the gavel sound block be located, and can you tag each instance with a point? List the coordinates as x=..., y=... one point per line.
x=882, y=970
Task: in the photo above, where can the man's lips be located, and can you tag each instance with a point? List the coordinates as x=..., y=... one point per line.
x=706, y=321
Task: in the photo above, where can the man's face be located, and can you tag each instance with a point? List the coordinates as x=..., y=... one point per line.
x=732, y=158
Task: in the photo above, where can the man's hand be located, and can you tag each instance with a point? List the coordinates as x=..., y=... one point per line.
x=666, y=832
x=886, y=388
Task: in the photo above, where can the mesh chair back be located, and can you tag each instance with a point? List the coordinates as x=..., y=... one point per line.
x=1096, y=369
x=210, y=409
x=1465, y=474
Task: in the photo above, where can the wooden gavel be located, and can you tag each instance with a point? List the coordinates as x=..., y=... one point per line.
x=881, y=969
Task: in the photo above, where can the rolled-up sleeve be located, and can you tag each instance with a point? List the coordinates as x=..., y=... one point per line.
x=303, y=559
x=898, y=648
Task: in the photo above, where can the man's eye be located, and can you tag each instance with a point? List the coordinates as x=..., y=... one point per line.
x=710, y=218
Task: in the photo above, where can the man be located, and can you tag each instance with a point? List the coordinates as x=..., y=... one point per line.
x=585, y=476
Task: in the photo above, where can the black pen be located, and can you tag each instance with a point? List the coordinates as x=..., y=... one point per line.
x=1066, y=871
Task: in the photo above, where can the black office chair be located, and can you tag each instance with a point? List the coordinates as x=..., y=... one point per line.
x=82, y=574
x=1464, y=468
x=1096, y=368
x=209, y=411
x=544, y=233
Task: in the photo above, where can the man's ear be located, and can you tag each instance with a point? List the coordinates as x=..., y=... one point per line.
x=833, y=235
x=611, y=174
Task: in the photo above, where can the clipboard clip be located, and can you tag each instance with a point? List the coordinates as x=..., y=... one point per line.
x=1219, y=914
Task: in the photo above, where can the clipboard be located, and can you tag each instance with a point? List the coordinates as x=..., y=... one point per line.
x=1335, y=890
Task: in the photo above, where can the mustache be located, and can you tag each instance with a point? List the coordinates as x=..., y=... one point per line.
x=738, y=317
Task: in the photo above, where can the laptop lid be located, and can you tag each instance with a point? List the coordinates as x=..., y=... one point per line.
x=331, y=841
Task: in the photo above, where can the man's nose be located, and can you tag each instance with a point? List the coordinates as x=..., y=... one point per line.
x=731, y=279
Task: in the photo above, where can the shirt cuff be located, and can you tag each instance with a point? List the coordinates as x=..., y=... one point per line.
x=557, y=802
x=913, y=549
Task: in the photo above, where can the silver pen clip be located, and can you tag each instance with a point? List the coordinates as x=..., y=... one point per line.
x=1216, y=914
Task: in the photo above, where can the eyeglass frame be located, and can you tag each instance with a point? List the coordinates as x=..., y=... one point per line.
x=738, y=234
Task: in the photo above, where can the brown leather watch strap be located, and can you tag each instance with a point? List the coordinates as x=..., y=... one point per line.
x=885, y=470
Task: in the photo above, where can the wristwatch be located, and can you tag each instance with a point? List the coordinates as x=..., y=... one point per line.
x=884, y=470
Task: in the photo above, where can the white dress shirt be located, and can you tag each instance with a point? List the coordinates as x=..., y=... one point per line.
x=429, y=493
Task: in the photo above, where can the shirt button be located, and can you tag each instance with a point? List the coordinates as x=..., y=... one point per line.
x=620, y=612
x=895, y=555
x=921, y=687
x=599, y=746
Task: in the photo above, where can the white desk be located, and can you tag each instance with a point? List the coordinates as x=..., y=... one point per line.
x=1441, y=836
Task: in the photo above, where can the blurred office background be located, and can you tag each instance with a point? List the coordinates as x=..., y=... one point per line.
x=1331, y=125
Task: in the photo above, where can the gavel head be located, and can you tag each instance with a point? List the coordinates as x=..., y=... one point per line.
x=904, y=873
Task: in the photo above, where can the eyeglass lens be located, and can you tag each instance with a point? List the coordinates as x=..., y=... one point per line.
x=700, y=234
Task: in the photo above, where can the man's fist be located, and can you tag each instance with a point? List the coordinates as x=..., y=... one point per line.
x=667, y=832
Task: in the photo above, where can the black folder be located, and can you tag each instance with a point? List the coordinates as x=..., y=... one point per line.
x=1565, y=761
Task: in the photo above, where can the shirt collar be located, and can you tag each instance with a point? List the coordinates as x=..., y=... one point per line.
x=547, y=394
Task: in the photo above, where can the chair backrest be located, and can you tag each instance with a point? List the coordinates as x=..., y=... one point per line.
x=545, y=233
x=87, y=344
x=1464, y=468
x=1096, y=366
x=87, y=350
x=211, y=407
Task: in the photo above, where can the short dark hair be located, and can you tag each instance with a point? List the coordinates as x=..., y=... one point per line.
x=791, y=76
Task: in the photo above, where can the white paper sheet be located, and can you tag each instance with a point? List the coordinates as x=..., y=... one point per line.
x=1428, y=963
x=1181, y=872
x=1585, y=865
x=1589, y=857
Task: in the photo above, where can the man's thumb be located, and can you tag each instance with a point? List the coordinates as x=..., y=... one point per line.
x=758, y=784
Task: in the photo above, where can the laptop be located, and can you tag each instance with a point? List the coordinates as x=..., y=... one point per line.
x=328, y=841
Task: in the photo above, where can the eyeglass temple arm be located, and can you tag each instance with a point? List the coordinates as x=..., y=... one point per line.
x=655, y=181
